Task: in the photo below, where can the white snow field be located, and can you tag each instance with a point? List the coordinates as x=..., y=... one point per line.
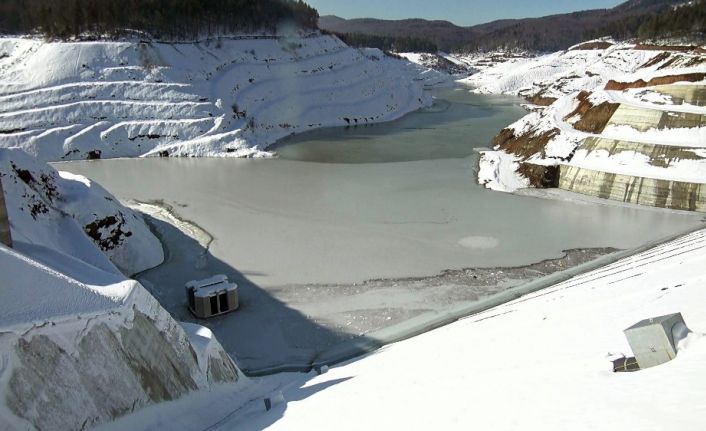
x=561, y=79
x=79, y=343
x=232, y=96
x=541, y=362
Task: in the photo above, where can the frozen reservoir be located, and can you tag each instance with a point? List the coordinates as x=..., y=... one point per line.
x=341, y=206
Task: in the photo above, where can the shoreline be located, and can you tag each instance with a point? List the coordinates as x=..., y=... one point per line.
x=167, y=213
x=350, y=351
x=447, y=296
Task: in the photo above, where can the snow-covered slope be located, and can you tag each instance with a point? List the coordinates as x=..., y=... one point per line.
x=542, y=362
x=232, y=96
x=57, y=213
x=561, y=73
x=441, y=62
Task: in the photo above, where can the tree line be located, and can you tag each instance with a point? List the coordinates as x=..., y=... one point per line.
x=161, y=19
x=388, y=43
x=688, y=21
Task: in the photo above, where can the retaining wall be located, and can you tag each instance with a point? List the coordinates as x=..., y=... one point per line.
x=644, y=119
x=638, y=190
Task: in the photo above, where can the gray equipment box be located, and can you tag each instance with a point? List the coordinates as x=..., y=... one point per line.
x=212, y=297
x=654, y=341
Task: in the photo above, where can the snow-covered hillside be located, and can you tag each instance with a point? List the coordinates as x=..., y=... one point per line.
x=441, y=62
x=542, y=362
x=560, y=73
x=646, y=99
x=232, y=96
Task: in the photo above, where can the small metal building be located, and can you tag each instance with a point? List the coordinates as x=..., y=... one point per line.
x=211, y=297
x=654, y=341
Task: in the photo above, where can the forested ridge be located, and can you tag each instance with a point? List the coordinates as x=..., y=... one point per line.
x=162, y=19
x=634, y=18
x=688, y=20
x=389, y=43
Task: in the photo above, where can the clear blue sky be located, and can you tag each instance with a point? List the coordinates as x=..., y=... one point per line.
x=461, y=12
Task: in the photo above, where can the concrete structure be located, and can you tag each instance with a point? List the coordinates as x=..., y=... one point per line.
x=654, y=341
x=665, y=176
x=5, y=237
x=644, y=119
x=663, y=156
x=638, y=190
x=212, y=297
x=682, y=93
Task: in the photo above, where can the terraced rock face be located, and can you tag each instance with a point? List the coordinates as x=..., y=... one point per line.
x=615, y=91
x=661, y=80
x=79, y=343
x=669, y=172
x=633, y=189
x=66, y=101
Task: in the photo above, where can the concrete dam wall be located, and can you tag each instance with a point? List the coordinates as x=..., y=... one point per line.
x=681, y=94
x=667, y=157
x=638, y=190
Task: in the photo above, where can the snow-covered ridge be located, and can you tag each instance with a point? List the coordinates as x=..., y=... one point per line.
x=62, y=101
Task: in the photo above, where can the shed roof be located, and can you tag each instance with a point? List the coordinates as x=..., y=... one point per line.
x=209, y=286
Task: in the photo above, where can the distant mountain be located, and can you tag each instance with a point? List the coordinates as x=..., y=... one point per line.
x=644, y=4
x=548, y=33
x=443, y=33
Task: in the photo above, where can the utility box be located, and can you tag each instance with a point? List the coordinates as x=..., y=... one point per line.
x=211, y=297
x=654, y=341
